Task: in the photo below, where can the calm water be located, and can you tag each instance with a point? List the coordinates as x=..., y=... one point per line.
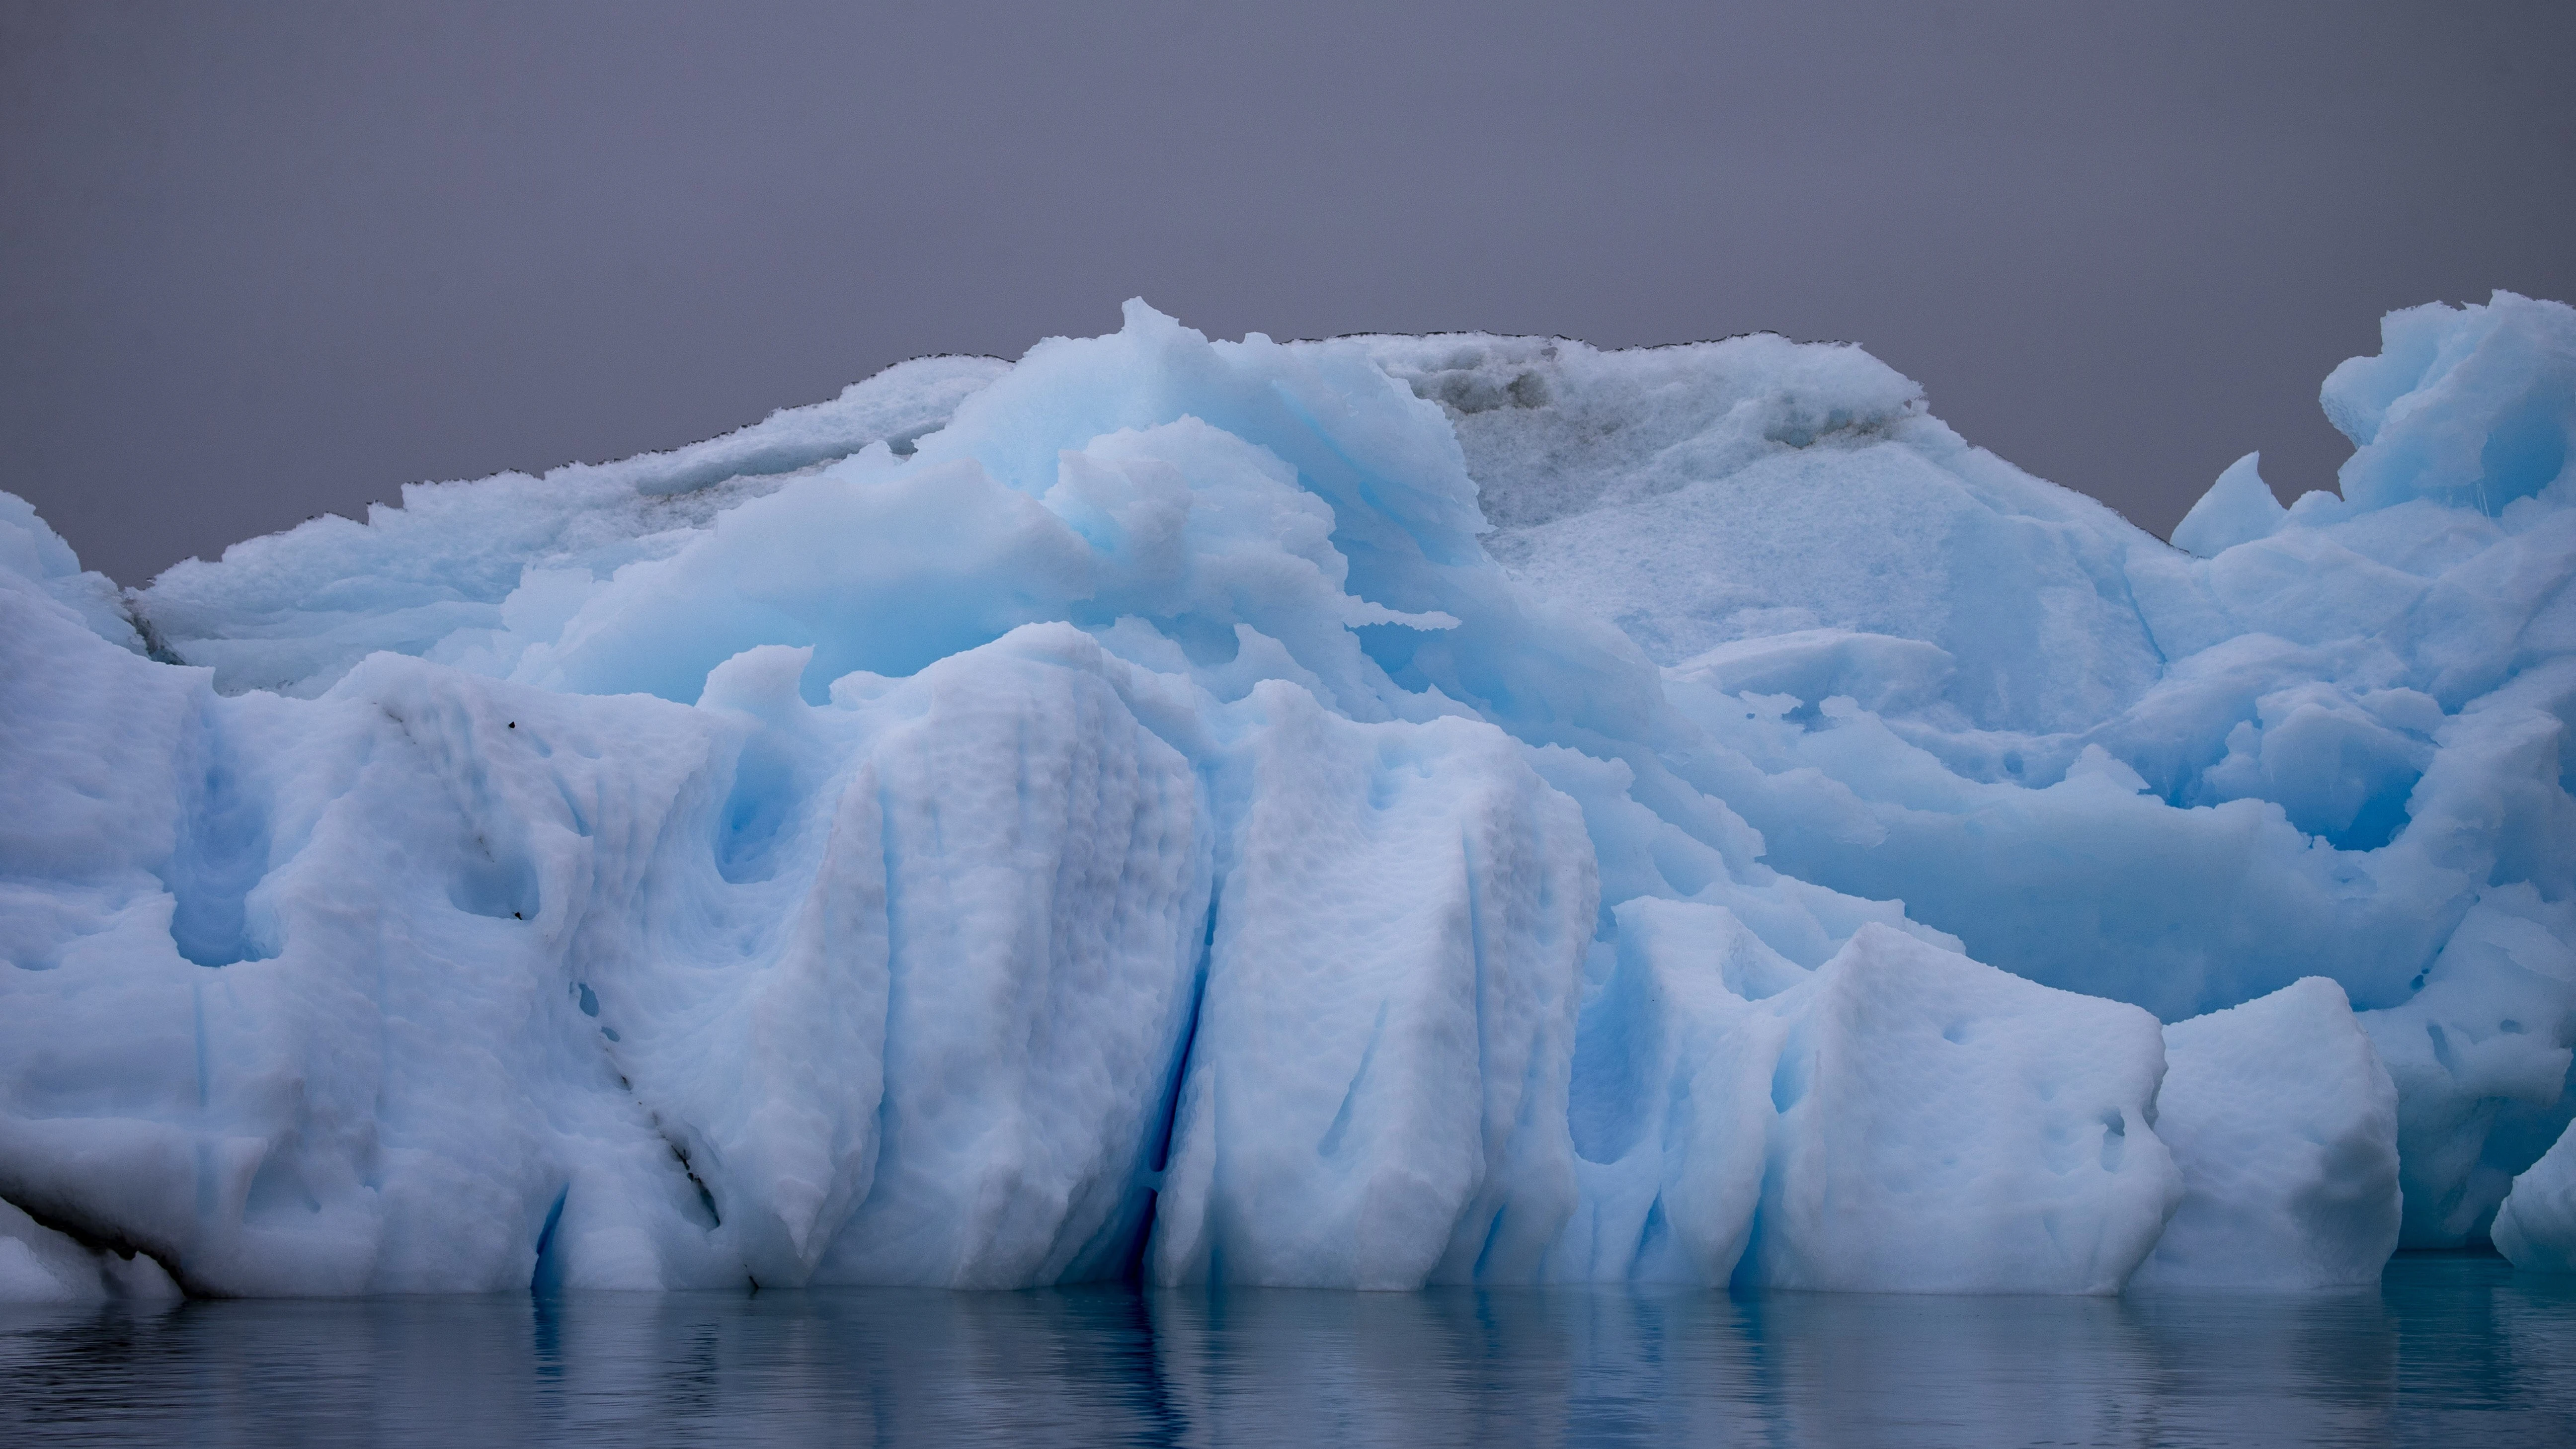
x=2454, y=1351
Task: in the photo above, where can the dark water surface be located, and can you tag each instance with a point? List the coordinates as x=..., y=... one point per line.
x=2455, y=1351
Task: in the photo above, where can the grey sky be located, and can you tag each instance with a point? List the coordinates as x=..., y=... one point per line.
x=258, y=262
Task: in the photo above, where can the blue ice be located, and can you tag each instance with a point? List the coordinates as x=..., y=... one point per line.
x=1362, y=814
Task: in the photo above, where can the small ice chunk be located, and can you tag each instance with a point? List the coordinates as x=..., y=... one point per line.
x=1945, y=1127
x=40, y=1265
x=2285, y=1126
x=2238, y=508
x=2536, y=1226
x=1376, y=1095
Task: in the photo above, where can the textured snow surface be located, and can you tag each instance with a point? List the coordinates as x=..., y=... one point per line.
x=2285, y=1125
x=1359, y=813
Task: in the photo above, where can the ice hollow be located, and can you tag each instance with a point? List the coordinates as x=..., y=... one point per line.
x=1344, y=814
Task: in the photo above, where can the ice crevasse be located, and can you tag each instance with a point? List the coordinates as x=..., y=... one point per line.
x=1363, y=813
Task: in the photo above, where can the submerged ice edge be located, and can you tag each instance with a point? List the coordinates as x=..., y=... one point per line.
x=1370, y=813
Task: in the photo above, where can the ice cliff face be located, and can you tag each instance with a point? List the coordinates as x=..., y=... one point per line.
x=1350, y=814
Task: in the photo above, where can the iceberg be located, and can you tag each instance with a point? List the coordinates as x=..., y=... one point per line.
x=1361, y=814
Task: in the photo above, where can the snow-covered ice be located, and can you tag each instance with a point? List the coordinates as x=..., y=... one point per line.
x=2285, y=1126
x=1355, y=813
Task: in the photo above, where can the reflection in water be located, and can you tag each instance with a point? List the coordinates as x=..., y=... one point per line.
x=2454, y=1350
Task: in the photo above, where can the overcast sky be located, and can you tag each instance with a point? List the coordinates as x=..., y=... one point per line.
x=262, y=261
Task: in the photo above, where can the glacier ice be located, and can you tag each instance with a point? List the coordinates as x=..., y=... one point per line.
x=1376, y=1093
x=2535, y=1226
x=2285, y=1125
x=40, y=1265
x=1943, y=1126
x=1357, y=813
x=2238, y=508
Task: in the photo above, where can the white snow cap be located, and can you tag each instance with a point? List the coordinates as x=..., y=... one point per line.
x=1356, y=813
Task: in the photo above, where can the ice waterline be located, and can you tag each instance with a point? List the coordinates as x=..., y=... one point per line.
x=1362, y=813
